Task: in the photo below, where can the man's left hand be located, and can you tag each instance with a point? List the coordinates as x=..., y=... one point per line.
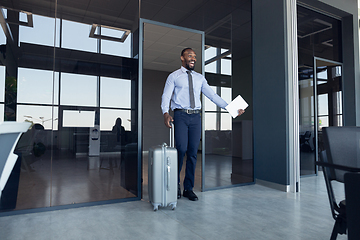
x=241, y=111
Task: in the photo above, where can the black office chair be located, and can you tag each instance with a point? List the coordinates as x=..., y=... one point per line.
x=352, y=195
x=342, y=150
x=305, y=145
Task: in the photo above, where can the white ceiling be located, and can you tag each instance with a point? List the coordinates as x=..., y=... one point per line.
x=163, y=46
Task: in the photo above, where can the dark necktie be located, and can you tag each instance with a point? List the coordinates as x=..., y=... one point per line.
x=191, y=90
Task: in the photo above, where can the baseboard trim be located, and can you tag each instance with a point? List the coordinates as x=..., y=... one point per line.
x=277, y=186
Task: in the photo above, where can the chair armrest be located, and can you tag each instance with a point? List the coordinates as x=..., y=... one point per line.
x=336, y=166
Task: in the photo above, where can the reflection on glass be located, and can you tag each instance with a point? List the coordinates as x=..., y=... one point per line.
x=211, y=67
x=34, y=185
x=115, y=48
x=225, y=64
x=226, y=165
x=339, y=120
x=42, y=32
x=316, y=27
x=10, y=98
x=76, y=36
x=78, y=118
x=226, y=121
x=323, y=104
x=338, y=102
x=115, y=93
x=226, y=94
x=2, y=84
x=78, y=90
x=36, y=86
x=210, y=121
x=306, y=122
x=328, y=108
x=2, y=38
x=109, y=116
x=323, y=122
x=208, y=104
x=59, y=161
x=1, y=112
x=209, y=54
x=38, y=115
x=322, y=74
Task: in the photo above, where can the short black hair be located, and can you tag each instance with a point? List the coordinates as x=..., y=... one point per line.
x=182, y=52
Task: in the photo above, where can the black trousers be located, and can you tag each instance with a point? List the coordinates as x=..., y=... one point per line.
x=187, y=138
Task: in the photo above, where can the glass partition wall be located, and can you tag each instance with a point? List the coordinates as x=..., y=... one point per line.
x=228, y=142
x=71, y=71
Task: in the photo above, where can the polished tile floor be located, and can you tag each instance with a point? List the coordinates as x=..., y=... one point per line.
x=247, y=212
x=68, y=179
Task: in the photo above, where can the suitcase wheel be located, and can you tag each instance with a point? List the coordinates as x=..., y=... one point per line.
x=156, y=207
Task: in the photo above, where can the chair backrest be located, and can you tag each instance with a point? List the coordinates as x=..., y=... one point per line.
x=9, y=136
x=352, y=195
x=6, y=143
x=342, y=145
x=307, y=135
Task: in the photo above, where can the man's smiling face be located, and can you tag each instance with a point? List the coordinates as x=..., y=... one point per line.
x=188, y=59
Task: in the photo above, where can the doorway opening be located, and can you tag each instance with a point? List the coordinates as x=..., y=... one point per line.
x=320, y=81
x=159, y=56
x=320, y=106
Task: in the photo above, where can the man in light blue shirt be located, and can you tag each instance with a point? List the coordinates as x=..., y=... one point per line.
x=182, y=90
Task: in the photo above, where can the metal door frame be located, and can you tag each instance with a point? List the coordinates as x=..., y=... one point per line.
x=316, y=120
x=142, y=21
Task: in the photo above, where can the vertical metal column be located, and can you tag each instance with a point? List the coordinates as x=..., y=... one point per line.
x=203, y=116
x=293, y=152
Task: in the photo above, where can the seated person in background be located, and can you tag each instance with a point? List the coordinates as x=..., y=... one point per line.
x=119, y=132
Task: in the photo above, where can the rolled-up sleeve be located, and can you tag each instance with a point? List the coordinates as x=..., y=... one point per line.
x=209, y=93
x=167, y=94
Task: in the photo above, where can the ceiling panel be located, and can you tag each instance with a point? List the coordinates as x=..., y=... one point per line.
x=183, y=5
x=164, y=54
x=148, y=43
x=181, y=33
x=168, y=39
x=161, y=47
x=163, y=60
x=156, y=28
x=196, y=45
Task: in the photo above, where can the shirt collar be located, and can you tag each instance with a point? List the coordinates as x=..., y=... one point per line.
x=184, y=70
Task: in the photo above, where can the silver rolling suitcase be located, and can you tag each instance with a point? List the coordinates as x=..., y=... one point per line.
x=163, y=171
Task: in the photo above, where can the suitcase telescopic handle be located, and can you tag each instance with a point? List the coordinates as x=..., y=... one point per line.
x=172, y=135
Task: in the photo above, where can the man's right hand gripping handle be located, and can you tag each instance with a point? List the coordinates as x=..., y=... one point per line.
x=167, y=119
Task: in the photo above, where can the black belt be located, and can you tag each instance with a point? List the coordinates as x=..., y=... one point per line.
x=189, y=111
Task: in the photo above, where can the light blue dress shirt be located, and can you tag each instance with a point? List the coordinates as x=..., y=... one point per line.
x=176, y=91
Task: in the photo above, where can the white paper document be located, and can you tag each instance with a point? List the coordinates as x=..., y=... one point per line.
x=235, y=105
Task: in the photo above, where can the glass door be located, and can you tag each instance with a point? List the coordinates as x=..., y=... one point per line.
x=160, y=56
x=306, y=121
x=325, y=109
x=328, y=103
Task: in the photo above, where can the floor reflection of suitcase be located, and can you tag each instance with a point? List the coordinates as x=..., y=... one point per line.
x=129, y=168
x=163, y=171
